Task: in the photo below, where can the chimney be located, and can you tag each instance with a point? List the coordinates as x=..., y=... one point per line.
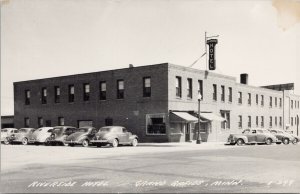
x=244, y=78
x=130, y=66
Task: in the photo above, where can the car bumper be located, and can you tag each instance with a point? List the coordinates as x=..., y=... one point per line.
x=72, y=142
x=99, y=141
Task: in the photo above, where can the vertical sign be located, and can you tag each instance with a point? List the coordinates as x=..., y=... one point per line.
x=212, y=61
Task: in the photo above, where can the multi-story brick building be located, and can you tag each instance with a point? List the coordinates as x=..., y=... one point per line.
x=157, y=102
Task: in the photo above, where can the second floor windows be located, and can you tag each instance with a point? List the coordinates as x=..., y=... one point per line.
x=56, y=94
x=102, y=95
x=61, y=121
x=256, y=121
x=230, y=94
x=256, y=99
x=240, y=97
x=189, y=88
x=240, y=122
x=71, y=93
x=275, y=101
x=40, y=122
x=280, y=102
x=146, y=87
x=200, y=87
x=26, y=122
x=271, y=122
x=27, y=97
x=222, y=93
x=249, y=121
x=44, y=95
x=271, y=101
x=178, y=86
x=262, y=100
x=262, y=122
x=86, y=92
x=214, y=92
x=120, y=89
x=249, y=99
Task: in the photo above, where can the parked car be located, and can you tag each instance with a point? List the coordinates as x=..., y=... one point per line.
x=22, y=135
x=282, y=136
x=83, y=136
x=41, y=135
x=252, y=136
x=60, y=133
x=114, y=136
x=6, y=133
x=296, y=138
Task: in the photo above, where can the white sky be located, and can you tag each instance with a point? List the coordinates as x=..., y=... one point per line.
x=47, y=38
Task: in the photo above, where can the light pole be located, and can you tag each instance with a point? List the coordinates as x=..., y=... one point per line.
x=198, y=136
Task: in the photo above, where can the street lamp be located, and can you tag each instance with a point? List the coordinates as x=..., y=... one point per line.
x=198, y=136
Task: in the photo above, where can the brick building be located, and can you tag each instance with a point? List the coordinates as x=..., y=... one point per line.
x=157, y=102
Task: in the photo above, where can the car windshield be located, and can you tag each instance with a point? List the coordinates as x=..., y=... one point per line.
x=3, y=130
x=23, y=130
x=105, y=129
x=246, y=131
x=84, y=130
x=57, y=130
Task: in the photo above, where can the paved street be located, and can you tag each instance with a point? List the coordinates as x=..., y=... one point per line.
x=151, y=168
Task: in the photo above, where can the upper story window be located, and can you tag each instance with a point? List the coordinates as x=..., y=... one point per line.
x=280, y=102
x=240, y=122
x=86, y=92
x=215, y=92
x=276, y=121
x=71, y=93
x=280, y=121
x=249, y=121
x=249, y=99
x=102, y=95
x=61, y=121
x=262, y=122
x=200, y=87
x=271, y=101
x=292, y=121
x=178, y=86
x=230, y=94
x=146, y=87
x=120, y=89
x=240, y=97
x=40, y=122
x=292, y=105
x=222, y=93
x=256, y=99
x=189, y=88
x=275, y=101
x=262, y=100
x=26, y=122
x=256, y=121
x=271, y=122
x=27, y=97
x=226, y=115
x=56, y=94
x=44, y=95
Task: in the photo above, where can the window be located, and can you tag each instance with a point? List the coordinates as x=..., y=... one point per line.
x=292, y=104
x=48, y=123
x=156, y=124
x=178, y=86
x=214, y=92
x=189, y=88
x=200, y=87
x=256, y=96
x=147, y=87
x=240, y=123
x=222, y=93
x=108, y=121
x=230, y=94
x=262, y=122
x=61, y=121
x=240, y=97
x=291, y=121
x=271, y=122
x=262, y=100
x=249, y=121
x=249, y=99
x=56, y=94
x=280, y=121
x=40, y=122
x=280, y=102
x=275, y=101
x=86, y=92
x=44, y=95
x=71, y=93
x=271, y=102
x=27, y=97
x=275, y=121
x=26, y=122
x=226, y=115
x=256, y=121
x=120, y=89
x=102, y=90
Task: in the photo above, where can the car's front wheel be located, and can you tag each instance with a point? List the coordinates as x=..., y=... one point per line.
x=269, y=141
x=85, y=143
x=115, y=143
x=134, y=142
x=47, y=142
x=25, y=141
x=6, y=141
x=286, y=141
x=240, y=142
x=295, y=141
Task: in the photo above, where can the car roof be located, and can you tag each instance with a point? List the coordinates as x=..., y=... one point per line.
x=64, y=126
x=112, y=126
x=44, y=128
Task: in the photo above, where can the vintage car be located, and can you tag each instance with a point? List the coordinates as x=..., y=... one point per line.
x=41, y=135
x=60, y=133
x=114, y=136
x=282, y=136
x=252, y=136
x=6, y=133
x=83, y=136
x=296, y=138
x=22, y=136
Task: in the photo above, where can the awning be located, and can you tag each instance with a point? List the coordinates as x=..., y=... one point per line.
x=182, y=117
x=212, y=117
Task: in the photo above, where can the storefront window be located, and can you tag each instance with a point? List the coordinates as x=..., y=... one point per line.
x=156, y=124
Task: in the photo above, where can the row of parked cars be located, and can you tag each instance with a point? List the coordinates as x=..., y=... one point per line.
x=68, y=135
x=256, y=136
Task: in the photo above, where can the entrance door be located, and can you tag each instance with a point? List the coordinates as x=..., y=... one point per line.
x=187, y=132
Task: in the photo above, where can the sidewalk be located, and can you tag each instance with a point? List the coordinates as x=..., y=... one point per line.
x=183, y=144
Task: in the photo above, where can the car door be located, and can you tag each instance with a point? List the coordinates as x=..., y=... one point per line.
x=260, y=136
x=92, y=133
x=123, y=135
x=252, y=136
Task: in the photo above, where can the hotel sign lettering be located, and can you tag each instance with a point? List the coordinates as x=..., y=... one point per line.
x=211, y=46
